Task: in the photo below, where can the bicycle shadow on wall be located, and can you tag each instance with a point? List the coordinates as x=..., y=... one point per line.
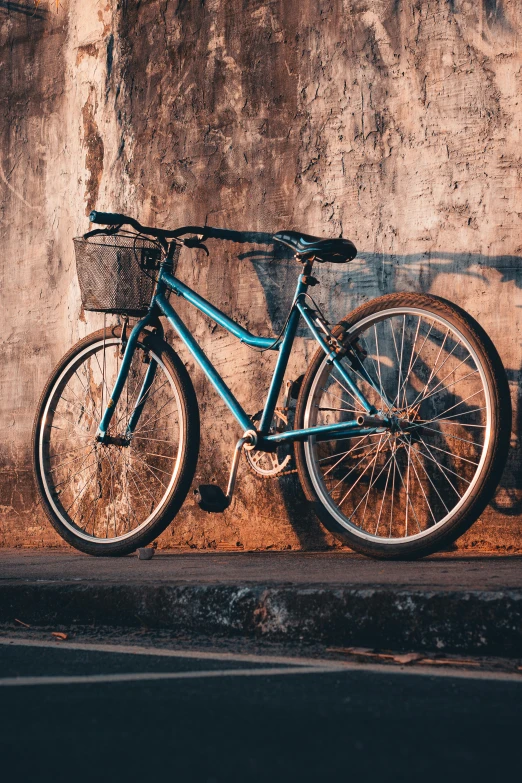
x=30, y=9
x=370, y=275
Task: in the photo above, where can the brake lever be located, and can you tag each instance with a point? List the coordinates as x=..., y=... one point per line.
x=196, y=242
x=105, y=231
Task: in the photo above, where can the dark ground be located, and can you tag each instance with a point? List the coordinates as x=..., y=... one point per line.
x=167, y=701
x=248, y=719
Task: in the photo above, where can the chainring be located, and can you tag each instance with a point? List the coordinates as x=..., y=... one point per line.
x=266, y=463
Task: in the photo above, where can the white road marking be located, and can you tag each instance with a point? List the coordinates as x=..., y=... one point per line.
x=88, y=679
x=292, y=665
x=129, y=649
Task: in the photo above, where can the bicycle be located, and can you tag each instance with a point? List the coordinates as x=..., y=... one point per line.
x=401, y=426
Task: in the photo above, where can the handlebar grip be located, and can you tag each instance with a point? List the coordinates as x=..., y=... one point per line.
x=107, y=218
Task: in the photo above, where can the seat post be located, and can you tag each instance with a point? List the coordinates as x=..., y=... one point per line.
x=306, y=278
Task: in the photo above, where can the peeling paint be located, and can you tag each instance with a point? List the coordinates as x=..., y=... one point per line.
x=94, y=154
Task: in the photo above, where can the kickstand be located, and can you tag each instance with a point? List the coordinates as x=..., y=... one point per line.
x=210, y=497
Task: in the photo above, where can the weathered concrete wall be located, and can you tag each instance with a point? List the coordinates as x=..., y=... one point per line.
x=395, y=123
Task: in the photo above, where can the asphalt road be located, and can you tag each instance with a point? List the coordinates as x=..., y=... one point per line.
x=97, y=713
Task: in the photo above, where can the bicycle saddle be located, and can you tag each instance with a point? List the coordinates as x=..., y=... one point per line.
x=334, y=251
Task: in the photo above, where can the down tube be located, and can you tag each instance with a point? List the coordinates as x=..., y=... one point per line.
x=204, y=362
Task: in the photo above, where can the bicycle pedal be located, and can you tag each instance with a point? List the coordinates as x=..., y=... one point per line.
x=211, y=498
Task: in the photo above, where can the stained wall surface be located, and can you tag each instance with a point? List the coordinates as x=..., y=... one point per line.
x=392, y=122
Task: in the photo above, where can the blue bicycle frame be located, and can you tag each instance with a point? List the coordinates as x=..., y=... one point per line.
x=265, y=441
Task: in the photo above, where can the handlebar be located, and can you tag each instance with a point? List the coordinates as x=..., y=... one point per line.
x=107, y=218
x=117, y=219
x=201, y=232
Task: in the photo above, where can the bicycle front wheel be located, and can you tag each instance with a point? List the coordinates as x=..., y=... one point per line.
x=408, y=492
x=111, y=499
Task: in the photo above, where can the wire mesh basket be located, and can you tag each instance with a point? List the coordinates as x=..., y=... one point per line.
x=117, y=274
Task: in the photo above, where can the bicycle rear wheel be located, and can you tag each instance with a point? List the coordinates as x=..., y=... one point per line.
x=407, y=493
x=111, y=499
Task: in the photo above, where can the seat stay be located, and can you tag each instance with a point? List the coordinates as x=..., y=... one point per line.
x=333, y=358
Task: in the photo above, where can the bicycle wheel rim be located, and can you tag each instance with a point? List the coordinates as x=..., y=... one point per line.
x=311, y=446
x=53, y=397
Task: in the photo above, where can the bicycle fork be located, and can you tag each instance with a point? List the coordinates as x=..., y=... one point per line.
x=101, y=435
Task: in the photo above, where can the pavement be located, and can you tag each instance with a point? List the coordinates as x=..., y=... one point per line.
x=73, y=711
x=452, y=603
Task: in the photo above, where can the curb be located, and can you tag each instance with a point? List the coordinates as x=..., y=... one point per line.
x=472, y=622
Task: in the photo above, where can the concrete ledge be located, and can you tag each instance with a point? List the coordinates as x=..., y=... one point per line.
x=465, y=621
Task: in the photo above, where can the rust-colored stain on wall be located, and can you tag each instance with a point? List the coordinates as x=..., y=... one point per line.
x=395, y=124
x=93, y=154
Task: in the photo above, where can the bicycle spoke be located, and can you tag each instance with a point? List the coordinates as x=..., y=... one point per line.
x=152, y=420
x=157, y=456
x=347, y=392
x=454, y=437
x=131, y=472
x=370, y=486
x=344, y=455
x=80, y=406
x=94, y=412
x=81, y=491
x=409, y=501
x=165, y=416
x=446, y=388
x=141, y=400
x=68, y=479
x=135, y=472
x=405, y=381
x=455, y=456
x=87, y=392
x=155, y=440
x=352, y=470
x=458, y=423
x=445, y=418
x=77, y=435
x=429, y=456
x=379, y=364
x=383, y=496
x=336, y=397
x=399, y=360
x=106, y=490
x=408, y=497
x=361, y=475
x=104, y=382
x=420, y=351
x=151, y=471
x=435, y=369
x=413, y=477
x=436, y=419
x=356, y=447
x=429, y=478
x=74, y=459
x=343, y=410
x=428, y=504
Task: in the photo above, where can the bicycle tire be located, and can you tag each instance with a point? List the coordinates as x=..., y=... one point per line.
x=186, y=458
x=490, y=466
